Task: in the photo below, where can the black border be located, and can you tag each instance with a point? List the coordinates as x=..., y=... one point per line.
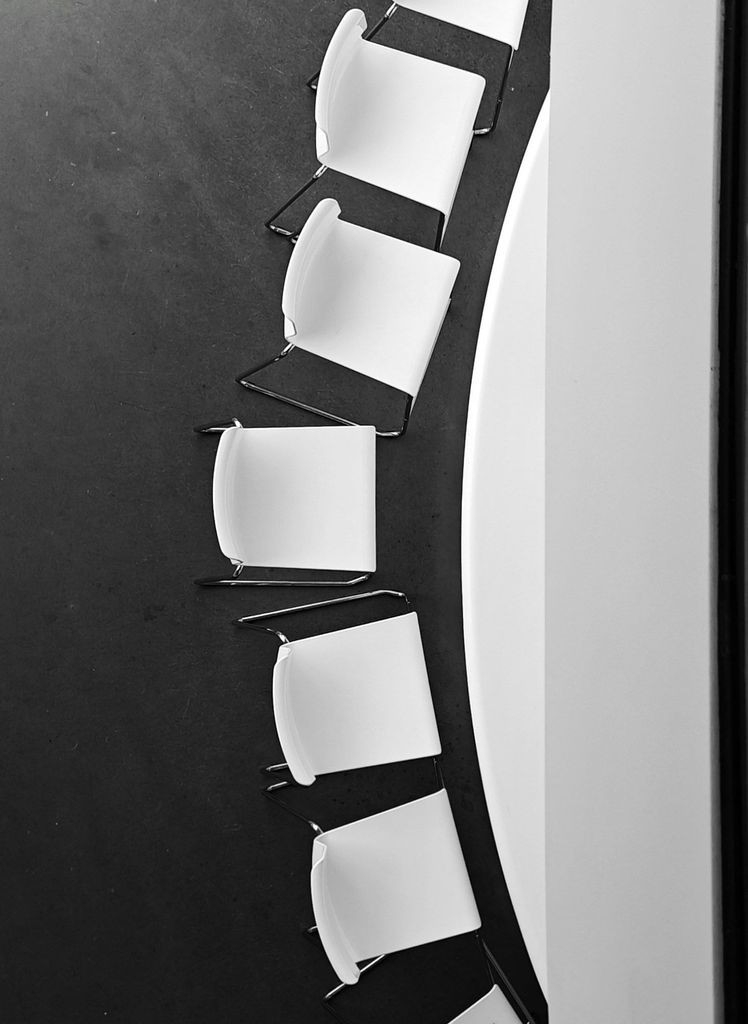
x=731, y=482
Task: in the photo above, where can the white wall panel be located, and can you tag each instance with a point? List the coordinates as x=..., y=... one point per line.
x=630, y=351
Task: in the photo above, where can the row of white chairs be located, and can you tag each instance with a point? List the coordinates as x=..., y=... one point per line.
x=348, y=699
x=305, y=497
x=364, y=300
x=356, y=698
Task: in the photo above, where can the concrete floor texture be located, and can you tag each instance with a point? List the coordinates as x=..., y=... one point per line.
x=145, y=878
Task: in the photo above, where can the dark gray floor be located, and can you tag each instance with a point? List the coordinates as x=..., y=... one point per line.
x=145, y=879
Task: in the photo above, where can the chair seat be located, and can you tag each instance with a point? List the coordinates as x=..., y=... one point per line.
x=354, y=698
x=497, y=19
x=493, y=1008
x=411, y=127
x=390, y=882
x=297, y=497
x=376, y=304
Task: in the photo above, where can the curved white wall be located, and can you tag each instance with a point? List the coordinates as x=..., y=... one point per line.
x=630, y=351
x=503, y=521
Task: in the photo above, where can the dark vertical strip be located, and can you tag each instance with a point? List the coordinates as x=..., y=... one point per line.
x=731, y=484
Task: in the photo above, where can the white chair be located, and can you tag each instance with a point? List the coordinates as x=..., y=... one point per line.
x=294, y=497
x=390, y=882
x=391, y=119
x=501, y=20
x=352, y=698
x=364, y=300
x=393, y=881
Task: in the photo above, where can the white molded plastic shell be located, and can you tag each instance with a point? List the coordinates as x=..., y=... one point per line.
x=307, y=251
x=364, y=300
x=297, y=497
x=393, y=119
x=285, y=720
x=340, y=53
x=336, y=947
x=354, y=698
x=389, y=882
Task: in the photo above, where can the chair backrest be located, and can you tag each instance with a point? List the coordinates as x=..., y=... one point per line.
x=354, y=698
x=492, y=1008
x=342, y=957
x=307, y=254
x=390, y=882
x=223, y=510
x=334, y=101
x=285, y=720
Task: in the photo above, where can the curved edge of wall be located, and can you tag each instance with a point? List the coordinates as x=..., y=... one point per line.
x=503, y=509
x=629, y=512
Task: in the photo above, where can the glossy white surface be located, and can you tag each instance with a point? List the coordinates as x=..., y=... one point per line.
x=629, y=564
x=365, y=300
x=297, y=497
x=392, y=119
x=503, y=545
x=497, y=19
x=391, y=881
x=354, y=698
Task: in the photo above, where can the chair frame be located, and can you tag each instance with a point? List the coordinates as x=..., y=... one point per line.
x=236, y=579
x=312, y=82
x=292, y=236
x=496, y=976
x=245, y=380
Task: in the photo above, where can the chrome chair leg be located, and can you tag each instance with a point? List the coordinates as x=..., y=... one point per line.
x=499, y=101
x=270, y=791
x=497, y=976
x=328, y=998
x=217, y=428
x=282, y=639
x=285, y=232
x=246, y=382
x=439, y=232
x=236, y=581
x=311, y=934
x=311, y=83
x=249, y=620
x=268, y=362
